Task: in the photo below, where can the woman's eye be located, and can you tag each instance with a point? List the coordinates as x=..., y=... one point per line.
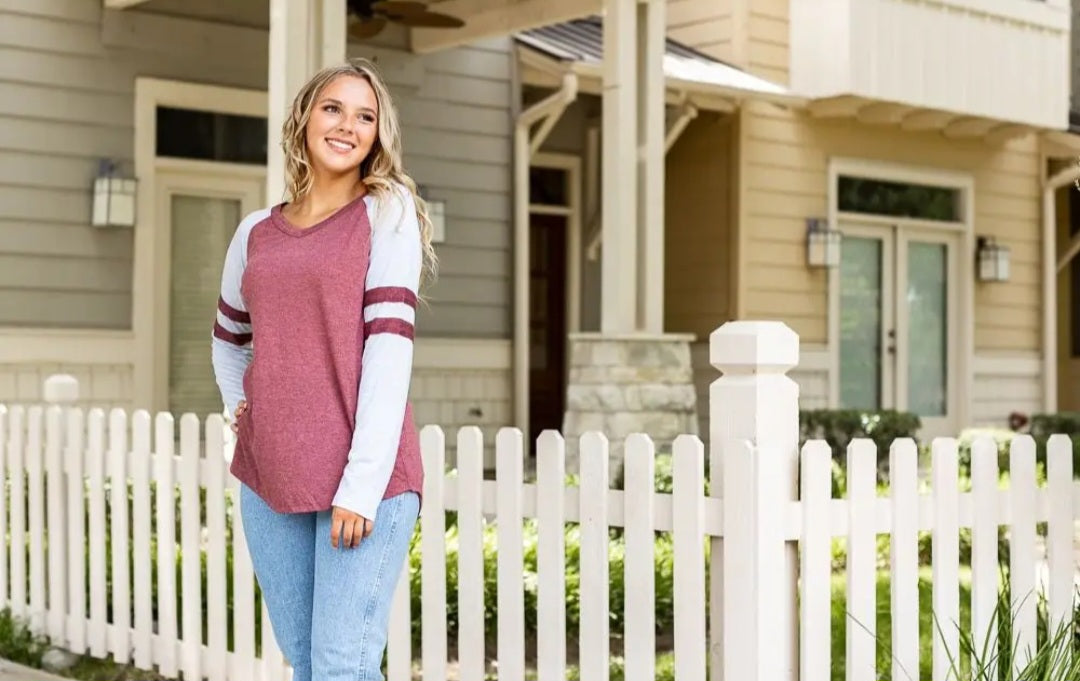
x=368, y=118
x=330, y=108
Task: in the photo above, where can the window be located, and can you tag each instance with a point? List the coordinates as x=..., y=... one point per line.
x=898, y=199
x=207, y=136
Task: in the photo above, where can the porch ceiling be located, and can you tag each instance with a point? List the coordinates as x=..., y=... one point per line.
x=916, y=119
x=492, y=18
x=549, y=51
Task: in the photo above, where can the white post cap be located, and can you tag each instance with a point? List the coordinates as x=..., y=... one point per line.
x=745, y=346
x=61, y=389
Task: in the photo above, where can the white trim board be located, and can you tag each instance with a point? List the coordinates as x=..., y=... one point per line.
x=65, y=346
x=463, y=353
x=149, y=324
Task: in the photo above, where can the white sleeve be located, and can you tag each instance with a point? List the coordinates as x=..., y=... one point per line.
x=390, y=293
x=231, y=341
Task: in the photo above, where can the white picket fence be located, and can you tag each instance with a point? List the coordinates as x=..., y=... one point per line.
x=65, y=476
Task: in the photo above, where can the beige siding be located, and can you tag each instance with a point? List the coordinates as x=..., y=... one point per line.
x=698, y=228
x=785, y=182
x=706, y=25
x=1005, y=383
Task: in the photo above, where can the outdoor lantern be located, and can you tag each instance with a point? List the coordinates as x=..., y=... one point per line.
x=437, y=214
x=993, y=260
x=114, y=198
x=822, y=244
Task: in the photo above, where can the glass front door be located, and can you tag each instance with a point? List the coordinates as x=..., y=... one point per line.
x=897, y=341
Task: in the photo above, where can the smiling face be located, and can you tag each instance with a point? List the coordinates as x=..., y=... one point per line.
x=343, y=127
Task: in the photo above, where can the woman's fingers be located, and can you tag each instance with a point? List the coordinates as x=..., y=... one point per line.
x=348, y=529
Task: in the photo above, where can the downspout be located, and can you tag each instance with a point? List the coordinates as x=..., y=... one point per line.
x=549, y=110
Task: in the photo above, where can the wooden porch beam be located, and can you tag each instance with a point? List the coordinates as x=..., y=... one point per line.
x=490, y=18
x=122, y=4
x=843, y=106
x=921, y=121
x=970, y=127
x=883, y=113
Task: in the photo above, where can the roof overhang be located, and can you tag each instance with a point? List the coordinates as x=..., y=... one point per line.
x=910, y=118
x=549, y=52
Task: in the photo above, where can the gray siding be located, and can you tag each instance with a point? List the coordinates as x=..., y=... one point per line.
x=67, y=78
x=67, y=100
x=458, y=138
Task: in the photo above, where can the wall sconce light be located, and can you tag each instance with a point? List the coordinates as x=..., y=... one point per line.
x=436, y=209
x=114, y=198
x=437, y=213
x=993, y=260
x=822, y=244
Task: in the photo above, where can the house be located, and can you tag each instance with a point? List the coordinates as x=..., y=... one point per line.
x=612, y=191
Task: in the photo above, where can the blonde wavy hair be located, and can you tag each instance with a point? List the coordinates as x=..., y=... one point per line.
x=383, y=166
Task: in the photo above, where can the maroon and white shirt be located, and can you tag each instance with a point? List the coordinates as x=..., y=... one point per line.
x=314, y=330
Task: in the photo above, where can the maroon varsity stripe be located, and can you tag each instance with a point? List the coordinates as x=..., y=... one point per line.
x=234, y=338
x=392, y=325
x=390, y=294
x=232, y=313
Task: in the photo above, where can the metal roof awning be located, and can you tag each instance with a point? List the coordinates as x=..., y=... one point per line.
x=578, y=46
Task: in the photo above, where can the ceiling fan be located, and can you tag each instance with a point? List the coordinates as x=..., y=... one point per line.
x=368, y=17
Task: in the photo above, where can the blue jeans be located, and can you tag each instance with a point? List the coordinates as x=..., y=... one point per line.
x=329, y=608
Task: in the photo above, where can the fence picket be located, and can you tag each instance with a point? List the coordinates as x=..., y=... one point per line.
x=16, y=458
x=141, y=523
x=190, y=550
x=4, y=539
x=35, y=453
x=165, y=507
x=1060, y=528
x=551, y=557
x=510, y=640
x=273, y=660
x=55, y=523
x=243, y=659
x=594, y=583
x=217, y=623
x=946, y=556
x=904, y=557
x=984, y=547
x=75, y=453
x=120, y=645
x=98, y=631
x=639, y=637
x=816, y=559
x=399, y=646
x=688, y=539
x=861, y=615
x=1022, y=555
x=470, y=523
x=433, y=556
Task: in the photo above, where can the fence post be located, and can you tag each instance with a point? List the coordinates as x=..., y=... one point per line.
x=61, y=389
x=753, y=401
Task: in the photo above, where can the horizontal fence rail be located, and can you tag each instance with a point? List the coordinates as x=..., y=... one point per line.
x=765, y=561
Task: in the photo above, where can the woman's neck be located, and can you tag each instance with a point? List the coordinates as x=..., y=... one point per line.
x=329, y=194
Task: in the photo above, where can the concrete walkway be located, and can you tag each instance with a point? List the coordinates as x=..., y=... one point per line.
x=9, y=671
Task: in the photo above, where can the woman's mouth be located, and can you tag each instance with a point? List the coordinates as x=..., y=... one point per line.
x=340, y=146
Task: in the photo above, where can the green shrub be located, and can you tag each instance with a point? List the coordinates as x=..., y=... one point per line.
x=838, y=427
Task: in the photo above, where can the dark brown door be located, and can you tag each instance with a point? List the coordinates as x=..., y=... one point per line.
x=547, y=324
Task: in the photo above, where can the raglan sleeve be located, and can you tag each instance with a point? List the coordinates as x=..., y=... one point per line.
x=390, y=298
x=231, y=340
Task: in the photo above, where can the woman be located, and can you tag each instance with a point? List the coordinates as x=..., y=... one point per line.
x=325, y=286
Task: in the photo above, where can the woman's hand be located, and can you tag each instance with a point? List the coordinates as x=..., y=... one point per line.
x=241, y=407
x=348, y=528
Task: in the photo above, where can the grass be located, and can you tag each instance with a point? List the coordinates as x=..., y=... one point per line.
x=927, y=626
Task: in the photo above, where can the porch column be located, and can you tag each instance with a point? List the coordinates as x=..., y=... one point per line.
x=652, y=26
x=618, y=279
x=305, y=36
